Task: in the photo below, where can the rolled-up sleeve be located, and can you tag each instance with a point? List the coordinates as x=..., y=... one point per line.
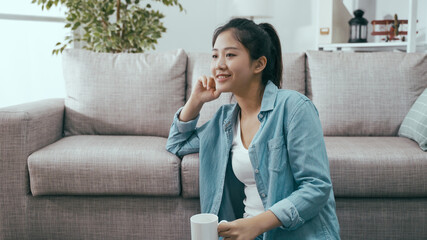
x=183, y=127
x=287, y=213
x=310, y=168
x=183, y=138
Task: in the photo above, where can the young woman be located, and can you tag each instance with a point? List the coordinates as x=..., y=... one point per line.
x=263, y=162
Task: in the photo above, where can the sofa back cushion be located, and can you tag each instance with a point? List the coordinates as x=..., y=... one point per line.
x=294, y=76
x=364, y=94
x=199, y=64
x=123, y=93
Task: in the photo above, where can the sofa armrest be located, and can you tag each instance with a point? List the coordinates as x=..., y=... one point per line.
x=24, y=129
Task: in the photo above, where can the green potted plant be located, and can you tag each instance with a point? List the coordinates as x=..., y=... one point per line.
x=111, y=25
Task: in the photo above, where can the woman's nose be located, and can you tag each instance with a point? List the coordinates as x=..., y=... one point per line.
x=220, y=64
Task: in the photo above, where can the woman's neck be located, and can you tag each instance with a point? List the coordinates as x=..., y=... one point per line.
x=250, y=100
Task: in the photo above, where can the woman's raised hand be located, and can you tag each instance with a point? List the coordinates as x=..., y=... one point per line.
x=205, y=90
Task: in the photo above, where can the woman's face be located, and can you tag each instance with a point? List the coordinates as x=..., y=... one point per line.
x=231, y=64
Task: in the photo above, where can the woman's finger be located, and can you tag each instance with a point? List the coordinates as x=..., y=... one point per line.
x=200, y=80
x=207, y=80
x=204, y=81
x=223, y=227
x=212, y=83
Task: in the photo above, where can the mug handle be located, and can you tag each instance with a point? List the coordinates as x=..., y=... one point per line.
x=222, y=221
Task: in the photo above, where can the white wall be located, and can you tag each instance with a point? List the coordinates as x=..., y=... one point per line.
x=192, y=30
x=295, y=22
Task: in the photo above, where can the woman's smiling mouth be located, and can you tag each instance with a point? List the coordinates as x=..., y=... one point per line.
x=222, y=77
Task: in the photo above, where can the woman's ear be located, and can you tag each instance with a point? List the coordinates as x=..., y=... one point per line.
x=260, y=64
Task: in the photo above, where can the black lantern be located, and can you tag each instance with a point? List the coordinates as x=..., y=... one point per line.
x=358, y=28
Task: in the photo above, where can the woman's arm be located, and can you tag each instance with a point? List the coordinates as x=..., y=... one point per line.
x=191, y=110
x=183, y=137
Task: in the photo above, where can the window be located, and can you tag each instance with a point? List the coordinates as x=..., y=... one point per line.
x=29, y=71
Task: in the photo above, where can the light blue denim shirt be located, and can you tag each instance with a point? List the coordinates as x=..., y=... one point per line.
x=288, y=156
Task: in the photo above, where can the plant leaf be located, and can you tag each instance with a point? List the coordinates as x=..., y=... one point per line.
x=138, y=29
x=48, y=5
x=76, y=25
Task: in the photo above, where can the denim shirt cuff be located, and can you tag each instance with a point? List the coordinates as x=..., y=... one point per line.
x=185, y=126
x=287, y=213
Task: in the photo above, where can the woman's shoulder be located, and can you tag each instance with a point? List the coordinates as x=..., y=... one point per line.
x=291, y=97
x=292, y=101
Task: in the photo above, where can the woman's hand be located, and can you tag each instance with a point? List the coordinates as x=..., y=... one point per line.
x=249, y=228
x=240, y=229
x=204, y=90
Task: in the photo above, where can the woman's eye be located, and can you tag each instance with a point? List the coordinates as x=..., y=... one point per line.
x=230, y=55
x=214, y=56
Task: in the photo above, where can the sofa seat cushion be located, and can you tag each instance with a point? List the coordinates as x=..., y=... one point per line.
x=190, y=175
x=360, y=167
x=105, y=165
x=377, y=167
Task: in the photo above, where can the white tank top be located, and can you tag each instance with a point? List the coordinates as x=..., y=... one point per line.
x=243, y=170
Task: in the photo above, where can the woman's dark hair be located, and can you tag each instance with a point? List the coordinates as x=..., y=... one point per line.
x=260, y=40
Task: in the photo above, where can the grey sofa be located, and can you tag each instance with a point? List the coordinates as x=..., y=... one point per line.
x=94, y=165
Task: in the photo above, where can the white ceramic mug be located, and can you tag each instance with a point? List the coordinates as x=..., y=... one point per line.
x=204, y=226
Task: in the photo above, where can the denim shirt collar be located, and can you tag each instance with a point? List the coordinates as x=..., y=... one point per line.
x=269, y=97
x=267, y=104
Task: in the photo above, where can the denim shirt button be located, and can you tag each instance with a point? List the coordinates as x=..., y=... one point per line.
x=256, y=170
x=263, y=195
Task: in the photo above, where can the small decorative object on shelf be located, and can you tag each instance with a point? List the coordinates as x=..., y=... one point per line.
x=358, y=28
x=392, y=29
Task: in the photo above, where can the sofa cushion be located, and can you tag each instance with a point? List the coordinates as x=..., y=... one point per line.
x=360, y=167
x=364, y=94
x=414, y=126
x=190, y=175
x=377, y=167
x=294, y=72
x=105, y=165
x=199, y=64
x=122, y=93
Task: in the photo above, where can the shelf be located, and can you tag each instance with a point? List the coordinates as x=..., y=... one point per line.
x=362, y=45
x=382, y=46
x=410, y=45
